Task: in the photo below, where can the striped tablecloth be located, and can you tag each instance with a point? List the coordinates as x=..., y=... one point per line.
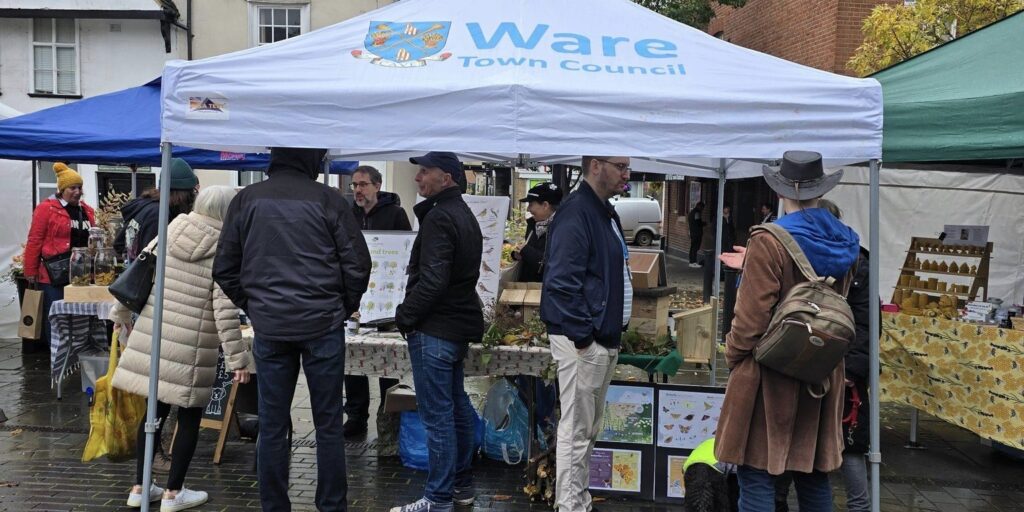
x=76, y=328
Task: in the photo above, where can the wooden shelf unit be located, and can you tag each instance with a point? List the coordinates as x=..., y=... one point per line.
x=979, y=280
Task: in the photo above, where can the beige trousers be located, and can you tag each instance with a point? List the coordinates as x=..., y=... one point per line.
x=583, y=378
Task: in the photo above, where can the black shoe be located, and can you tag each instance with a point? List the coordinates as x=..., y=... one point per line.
x=354, y=428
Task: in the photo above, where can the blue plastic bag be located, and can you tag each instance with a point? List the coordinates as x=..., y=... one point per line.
x=412, y=440
x=506, y=424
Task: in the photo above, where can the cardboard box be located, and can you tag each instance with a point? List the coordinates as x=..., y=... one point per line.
x=90, y=293
x=645, y=269
x=400, y=398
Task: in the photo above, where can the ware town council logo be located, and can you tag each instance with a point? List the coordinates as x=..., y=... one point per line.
x=405, y=45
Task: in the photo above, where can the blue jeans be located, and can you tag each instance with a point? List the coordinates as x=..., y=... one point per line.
x=757, y=490
x=51, y=294
x=447, y=414
x=323, y=361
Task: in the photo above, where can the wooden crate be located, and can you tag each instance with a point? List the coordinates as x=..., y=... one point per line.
x=695, y=333
x=89, y=293
x=645, y=269
x=522, y=295
x=650, y=315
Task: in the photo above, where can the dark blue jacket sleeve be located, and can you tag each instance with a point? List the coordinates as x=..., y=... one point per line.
x=565, y=271
x=227, y=265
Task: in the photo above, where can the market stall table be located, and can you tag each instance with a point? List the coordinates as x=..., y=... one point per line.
x=967, y=374
x=76, y=328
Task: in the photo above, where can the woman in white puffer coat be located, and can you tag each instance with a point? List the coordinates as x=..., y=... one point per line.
x=198, y=318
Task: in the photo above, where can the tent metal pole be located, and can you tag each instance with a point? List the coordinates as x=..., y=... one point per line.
x=327, y=170
x=158, y=320
x=716, y=284
x=874, y=453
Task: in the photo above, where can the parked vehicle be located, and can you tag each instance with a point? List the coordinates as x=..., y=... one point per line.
x=641, y=219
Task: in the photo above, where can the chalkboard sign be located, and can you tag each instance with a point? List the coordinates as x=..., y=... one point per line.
x=220, y=411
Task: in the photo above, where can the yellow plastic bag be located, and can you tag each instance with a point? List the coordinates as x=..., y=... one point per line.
x=115, y=416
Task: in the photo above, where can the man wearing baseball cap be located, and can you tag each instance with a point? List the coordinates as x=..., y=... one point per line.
x=440, y=316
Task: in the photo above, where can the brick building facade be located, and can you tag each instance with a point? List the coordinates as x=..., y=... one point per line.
x=822, y=34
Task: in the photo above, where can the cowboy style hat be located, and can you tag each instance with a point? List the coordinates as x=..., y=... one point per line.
x=801, y=176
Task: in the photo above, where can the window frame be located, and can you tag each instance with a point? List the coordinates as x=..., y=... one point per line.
x=254, y=19
x=54, y=45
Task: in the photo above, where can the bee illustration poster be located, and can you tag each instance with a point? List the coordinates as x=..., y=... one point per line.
x=687, y=418
x=628, y=415
x=491, y=212
x=676, y=486
x=615, y=470
x=389, y=254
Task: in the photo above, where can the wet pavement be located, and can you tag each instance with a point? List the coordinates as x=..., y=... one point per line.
x=41, y=446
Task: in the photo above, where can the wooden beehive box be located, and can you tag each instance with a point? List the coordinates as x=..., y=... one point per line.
x=695, y=333
x=91, y=293
x=644, y=267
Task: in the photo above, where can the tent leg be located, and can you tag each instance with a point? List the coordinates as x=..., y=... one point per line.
x=158, y=318
x=716, y=284
x=874, y=453
x=912, y=442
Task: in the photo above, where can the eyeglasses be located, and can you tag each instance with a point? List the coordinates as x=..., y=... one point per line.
x=359, y=184
x=623, y=168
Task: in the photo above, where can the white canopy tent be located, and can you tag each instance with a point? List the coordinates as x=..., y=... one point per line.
x=521, y=81
x=16, y=195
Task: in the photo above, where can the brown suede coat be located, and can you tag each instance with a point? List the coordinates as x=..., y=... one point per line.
x=769, y=421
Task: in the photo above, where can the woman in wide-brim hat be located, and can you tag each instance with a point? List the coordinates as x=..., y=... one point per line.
x=769, y=425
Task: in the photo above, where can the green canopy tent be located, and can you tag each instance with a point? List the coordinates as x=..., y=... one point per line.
x=959, y=101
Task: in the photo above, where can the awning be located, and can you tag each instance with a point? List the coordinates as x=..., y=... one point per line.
x=104, y=9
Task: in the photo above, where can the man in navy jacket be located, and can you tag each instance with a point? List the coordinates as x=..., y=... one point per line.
x=586, y=304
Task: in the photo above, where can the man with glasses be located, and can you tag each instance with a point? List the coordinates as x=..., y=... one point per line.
x=586, y=305
x=376, y=211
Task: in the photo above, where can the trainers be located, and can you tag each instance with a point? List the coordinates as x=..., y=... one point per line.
x=422, y=505
x=135, y=498
x=463, y=496
x=185, y=499
x=694, y=265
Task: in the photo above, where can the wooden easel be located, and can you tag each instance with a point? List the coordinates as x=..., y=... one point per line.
x=222, y=422
x=933, y=250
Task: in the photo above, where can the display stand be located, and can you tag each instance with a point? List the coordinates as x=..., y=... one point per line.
x=927, y=256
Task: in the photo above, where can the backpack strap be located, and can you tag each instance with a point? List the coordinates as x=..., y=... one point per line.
x=793, y=248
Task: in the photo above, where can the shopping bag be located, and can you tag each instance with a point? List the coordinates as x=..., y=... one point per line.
x=506, y=424
x=32, y=315
x=115, y=416
x=412, y=440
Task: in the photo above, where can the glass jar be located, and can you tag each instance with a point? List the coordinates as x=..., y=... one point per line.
x=80, y=267
x=104, y=265
x=97, y=240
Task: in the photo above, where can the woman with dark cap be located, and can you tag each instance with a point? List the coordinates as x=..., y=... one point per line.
x=542, y=201
x=141, y=216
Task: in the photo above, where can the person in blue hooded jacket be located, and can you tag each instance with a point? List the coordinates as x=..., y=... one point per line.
x=769, y=425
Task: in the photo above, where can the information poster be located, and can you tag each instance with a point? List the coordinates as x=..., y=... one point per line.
x=676, y=486
x=975, y=236
x=492, y=213
x=389, y=254
x=687, y=418
x=615, y=470
x=628, y=415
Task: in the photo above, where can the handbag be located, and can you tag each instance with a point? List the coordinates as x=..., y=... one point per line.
x=59, y=269
x=811, y=327
x=133, y=286
x=32, y=315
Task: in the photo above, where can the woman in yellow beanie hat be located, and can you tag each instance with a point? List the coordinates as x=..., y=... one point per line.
x=59, y=223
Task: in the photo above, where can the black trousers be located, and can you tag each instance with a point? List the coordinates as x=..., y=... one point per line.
x=184, y=444
x=357, y=396
x=695, y=246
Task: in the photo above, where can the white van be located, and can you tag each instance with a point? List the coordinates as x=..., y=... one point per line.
x=641, y=219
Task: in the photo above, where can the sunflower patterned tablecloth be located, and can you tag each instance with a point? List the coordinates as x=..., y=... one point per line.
x=967, y=374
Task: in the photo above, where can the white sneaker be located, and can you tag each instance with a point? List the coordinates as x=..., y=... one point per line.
x=185, y=499
x=135, y=498
x=694, y=265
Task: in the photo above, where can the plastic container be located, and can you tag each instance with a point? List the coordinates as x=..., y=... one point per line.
x=93, y=367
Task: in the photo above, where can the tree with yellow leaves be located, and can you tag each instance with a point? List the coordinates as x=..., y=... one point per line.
x=894, y=33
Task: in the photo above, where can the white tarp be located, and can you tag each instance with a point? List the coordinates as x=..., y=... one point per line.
x=496, y=79
x=919, y=202
x=16, y=196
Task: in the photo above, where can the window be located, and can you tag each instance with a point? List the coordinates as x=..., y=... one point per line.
x=273, y=23
x=46, y=180
x=55, y=56
x=246, y=178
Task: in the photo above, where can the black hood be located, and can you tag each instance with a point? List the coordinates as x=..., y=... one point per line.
x=307, y=161
x=386, y=198
x=133, y=207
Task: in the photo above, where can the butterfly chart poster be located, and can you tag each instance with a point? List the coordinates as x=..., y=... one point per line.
x=687, y=418
x=389, y=254
x=615, y=470
x=628, y=415
x=491, y=212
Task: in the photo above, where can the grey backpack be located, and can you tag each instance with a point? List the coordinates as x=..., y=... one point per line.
x=811, y=327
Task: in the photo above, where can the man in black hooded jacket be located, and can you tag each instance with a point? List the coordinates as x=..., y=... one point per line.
x=292, y=256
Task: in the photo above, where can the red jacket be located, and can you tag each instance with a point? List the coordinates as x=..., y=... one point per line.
x=49, y=235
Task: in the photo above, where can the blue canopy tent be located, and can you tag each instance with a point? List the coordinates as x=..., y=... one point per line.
x=118, y=128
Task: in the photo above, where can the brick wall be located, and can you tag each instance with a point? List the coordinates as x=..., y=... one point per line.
x=818, y=33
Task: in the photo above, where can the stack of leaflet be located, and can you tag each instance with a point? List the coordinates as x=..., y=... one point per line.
x=979, y=312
